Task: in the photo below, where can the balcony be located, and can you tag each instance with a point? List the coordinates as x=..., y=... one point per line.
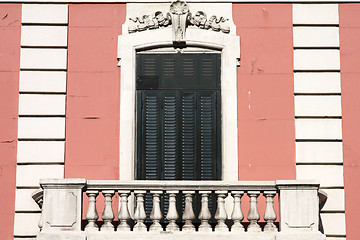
x=296, y=204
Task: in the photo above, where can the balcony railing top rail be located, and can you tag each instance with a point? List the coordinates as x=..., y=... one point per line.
x=180, y=185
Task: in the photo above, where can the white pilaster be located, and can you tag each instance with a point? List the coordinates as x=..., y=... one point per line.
x=42, y=99
x=317, y=90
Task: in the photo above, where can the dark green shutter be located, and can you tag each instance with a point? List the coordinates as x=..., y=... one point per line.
x=178, y=135
x=178, y=120
x=188, y=136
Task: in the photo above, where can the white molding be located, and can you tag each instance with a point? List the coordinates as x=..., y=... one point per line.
x=319, y=152
x=42, y=81
x=316, y=59
x=24, y=200
x=43, y=58
x=41, y=152
x=315, y=14
x=41, y=128
x=320, y=129
x=335, y=200
x=321, y=106
x=316, y=36
x=334, y=223
x=328, y=175
x=228, y=44
x=319, y=82
x=41, y=104
x=26, y=224
x=30, y=175
x=40, y=13
x=40, y=36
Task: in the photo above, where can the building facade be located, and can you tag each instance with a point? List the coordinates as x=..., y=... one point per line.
x=78, y=80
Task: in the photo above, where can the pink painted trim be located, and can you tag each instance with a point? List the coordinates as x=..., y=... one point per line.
x=10, y=26
x=349, y=20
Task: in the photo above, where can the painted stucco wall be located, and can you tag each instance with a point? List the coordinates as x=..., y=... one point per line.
x=92, y=108
x=265, y=72
x=265, y=91
x=85, y=59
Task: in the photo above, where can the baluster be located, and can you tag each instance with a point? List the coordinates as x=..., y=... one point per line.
x=92, y=214
x=220, y=214
x=108, y=213
x=188, y=214
x=270, y=215
x=205, y=214
x=172, y=214
x=253, y=215
x=156, y=214
x=237, y=215
x=140, y=214
x=124, y=214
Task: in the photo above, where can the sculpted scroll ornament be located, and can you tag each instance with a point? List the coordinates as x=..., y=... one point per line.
x=180, y=17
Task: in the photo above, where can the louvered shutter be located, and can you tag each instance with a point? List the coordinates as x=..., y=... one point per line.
x=188, y=136
x=208, y=130
x=178, y=120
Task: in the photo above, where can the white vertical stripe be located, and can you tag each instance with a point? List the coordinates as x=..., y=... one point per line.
x=316, y=56
x=46, y=104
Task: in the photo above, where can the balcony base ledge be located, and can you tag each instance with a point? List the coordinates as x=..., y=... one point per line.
x=179, y=236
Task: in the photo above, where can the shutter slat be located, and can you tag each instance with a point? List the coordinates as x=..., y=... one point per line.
x=170, y=136
x=188, y=135
x=207, y=134
x=152, y=135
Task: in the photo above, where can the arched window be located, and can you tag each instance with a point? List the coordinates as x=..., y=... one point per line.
x=226, y=47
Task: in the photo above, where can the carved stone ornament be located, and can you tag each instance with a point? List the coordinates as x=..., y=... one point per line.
x=180, y=17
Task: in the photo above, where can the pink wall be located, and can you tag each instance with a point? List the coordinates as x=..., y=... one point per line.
x=10, y=26
x=265, y=83
x=93, y=91
x=265, y=92
x=350, y=88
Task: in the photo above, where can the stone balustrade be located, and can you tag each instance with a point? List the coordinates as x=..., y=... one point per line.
x=171, y=213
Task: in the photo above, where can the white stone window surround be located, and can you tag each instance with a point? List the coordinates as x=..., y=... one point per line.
x=227, y=44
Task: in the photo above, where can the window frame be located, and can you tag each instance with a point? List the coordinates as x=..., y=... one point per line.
x=229, y=47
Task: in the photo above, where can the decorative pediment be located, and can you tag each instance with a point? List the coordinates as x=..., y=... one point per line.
x=180, y=17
